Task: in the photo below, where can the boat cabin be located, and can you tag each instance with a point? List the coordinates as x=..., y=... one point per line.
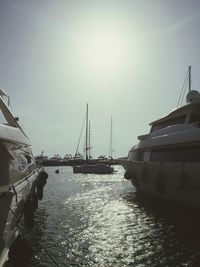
x=163, y=143
x=189, y=113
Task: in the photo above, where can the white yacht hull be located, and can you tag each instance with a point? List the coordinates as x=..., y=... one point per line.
x=12, y=208
x=166, y=161
x=176, y=181
x=21, y=186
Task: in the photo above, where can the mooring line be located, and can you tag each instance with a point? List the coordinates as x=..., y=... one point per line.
x=53, y=260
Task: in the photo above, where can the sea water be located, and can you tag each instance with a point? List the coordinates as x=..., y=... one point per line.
x=100, y=220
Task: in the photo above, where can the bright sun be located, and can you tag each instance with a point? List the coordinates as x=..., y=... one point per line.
x=104, y=51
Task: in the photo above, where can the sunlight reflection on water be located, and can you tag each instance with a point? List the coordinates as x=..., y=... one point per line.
x=98, y=220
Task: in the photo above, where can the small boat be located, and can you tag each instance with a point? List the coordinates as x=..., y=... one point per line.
x=70, y=160
x=67, y=157
x=41, y=158
x=21, y=184
x=89, y=166
x=166, y=161
x=56, y=160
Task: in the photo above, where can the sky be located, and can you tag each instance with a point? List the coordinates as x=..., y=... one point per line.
x=125, y=58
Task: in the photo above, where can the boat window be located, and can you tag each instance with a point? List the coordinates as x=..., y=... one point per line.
x=176, y=154
x=195, y=118
x=132, y=155
x=28, y=158
x=165, y=123
x=2, y=118
x=20, y=159
x=140, y=155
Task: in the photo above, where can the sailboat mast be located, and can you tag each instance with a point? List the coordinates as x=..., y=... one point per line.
x=111, y=150
x=89, y=147
x=190, y=80
x=86, y=134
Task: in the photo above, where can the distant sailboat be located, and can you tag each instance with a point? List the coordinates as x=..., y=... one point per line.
x=88, y=167
x=109, y=160
x=111, y=142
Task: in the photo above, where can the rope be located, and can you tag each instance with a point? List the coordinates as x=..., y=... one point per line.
x=5, y=204
x=47, y=253
x=80, y=136
x=15, y=193
x=180, y=100
x=183, y=94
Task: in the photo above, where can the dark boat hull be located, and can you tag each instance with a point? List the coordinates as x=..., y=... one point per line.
x=93, y=168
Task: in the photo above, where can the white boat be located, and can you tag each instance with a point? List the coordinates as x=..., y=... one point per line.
x=89, y=166
x=21, y=183
x=166, y=161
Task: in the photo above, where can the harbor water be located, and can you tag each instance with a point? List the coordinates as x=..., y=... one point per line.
x=99, y=220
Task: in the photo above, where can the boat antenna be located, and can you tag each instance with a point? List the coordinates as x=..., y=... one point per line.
x=89, y=139
x=86, y=138
x=190, y=80
x=111, y=142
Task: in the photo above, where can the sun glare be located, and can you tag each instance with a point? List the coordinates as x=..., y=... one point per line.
x=104, y=51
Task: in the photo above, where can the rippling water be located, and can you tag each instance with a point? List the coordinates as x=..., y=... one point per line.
x=99, y=220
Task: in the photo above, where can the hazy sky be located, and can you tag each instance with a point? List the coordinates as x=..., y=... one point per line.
x=125, y=58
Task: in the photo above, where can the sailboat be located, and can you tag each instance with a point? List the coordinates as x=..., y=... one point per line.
x=111, y=149
x=88, y=167
x=109, y=160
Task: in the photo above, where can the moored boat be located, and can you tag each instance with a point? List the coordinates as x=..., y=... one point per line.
x=21, y=183
x=166, y=161
x=91, y=166
x=40, y=159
